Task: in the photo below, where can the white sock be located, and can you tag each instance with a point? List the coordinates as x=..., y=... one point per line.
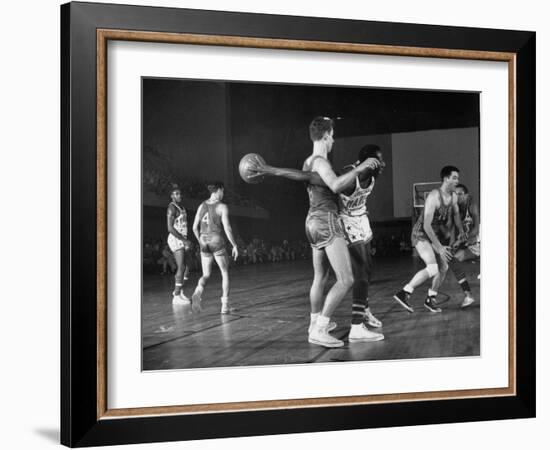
x=323, y=321
x=432, y=293
x=224, y=299
x=313, y=318
x=408, y=289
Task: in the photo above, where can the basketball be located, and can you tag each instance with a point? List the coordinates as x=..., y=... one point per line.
x=246, y=168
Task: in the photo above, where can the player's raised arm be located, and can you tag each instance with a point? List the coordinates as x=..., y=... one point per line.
x=338, y=183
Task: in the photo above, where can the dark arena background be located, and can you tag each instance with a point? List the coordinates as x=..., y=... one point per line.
x=197, y=131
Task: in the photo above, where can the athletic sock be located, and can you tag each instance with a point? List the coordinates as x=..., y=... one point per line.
x=408, y=289
x=177, y=289
x=323, y=321
x=461, y=277
x=432, y=293
x=357, y=312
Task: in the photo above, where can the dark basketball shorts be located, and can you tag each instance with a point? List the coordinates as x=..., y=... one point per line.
x=418, y=234
x=212, y=244
x=322, y=227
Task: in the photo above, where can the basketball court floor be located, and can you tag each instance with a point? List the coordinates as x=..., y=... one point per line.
x=271, y=317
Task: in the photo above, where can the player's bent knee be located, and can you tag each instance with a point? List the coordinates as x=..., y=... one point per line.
x=432, y=270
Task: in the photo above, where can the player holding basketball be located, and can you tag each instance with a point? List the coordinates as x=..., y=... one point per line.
x=326, y=235
x=430, y=236
x=211, y=220
x=353, y=213
x=176, y=221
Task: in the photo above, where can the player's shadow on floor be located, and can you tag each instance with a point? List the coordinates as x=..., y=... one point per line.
x=51, y=434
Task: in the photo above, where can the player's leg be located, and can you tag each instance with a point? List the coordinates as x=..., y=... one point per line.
x=338, y=256
x=437, y=280
x=359, y=263
x=317, y=290
x=206, y=263
x=223, y=263
x=425, y=251
x=460, y=276
x=179, y=297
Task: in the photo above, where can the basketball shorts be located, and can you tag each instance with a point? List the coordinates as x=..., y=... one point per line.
x=176, y=244
x=418, y=234
x=322, y=227
x=212, y=244
x=357, y=228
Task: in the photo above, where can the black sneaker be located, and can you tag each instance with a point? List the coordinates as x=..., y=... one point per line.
x=402, y=298
x=431, y=305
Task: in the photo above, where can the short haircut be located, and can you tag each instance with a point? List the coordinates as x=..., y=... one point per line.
x=463, y=186
x=319, y=126
x=447, y=171
x=368, y=151
x=174, y=188
x=213, y=186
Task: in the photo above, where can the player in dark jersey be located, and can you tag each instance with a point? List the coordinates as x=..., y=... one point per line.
x=211, y=220
x=469, y=213
x=176, y=221
x=469, y=247
x=431, y=235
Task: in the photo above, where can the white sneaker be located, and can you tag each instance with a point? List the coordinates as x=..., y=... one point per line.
x=319, y=336
x=196, y=302
x=180, y=299
x=468, y=300
x=371, y=320
x=226, y=309
x=331, y=326
x=360, y=333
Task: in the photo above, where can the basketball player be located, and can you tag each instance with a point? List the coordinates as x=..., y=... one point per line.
x=211, y=220
x=430, y=236
x=176, y=220
x=469, y=247
x=469, y=213
x=327, y=238
x=353, y=213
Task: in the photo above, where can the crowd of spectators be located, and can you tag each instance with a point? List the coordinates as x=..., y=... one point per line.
x=157, y=257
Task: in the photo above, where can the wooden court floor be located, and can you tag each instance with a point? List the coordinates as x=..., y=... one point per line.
x=269, y=325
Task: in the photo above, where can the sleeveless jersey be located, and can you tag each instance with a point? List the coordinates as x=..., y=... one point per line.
x=441, y=215
x=211, y=222
x=321, y=198
x=355, y=204
x=180, y=223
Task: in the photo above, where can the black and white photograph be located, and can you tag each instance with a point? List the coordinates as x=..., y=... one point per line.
x=287, y=224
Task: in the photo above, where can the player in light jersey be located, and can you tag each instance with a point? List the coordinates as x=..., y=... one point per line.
x=211, y=220
x=431, y=235
x=353, y=212
x=176, y=220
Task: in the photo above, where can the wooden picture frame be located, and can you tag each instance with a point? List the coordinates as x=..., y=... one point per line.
x=86, y=418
